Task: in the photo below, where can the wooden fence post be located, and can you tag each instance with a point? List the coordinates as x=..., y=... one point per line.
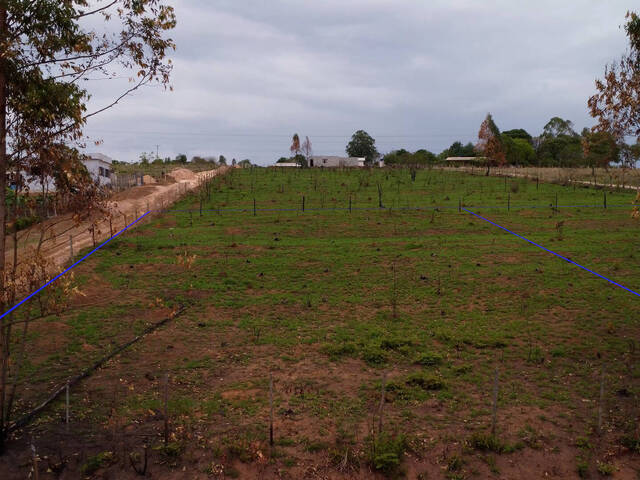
x=381, y=409
x=601, y=401
x=494, y=410
x=166, y=409
x=67, y=406
x=271, y=409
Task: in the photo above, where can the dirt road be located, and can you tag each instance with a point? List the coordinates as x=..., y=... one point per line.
x=62, y=237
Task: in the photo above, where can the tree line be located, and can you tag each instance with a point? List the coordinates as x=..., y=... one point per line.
x=559, y=145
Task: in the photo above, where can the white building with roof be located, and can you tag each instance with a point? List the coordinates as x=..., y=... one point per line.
x=99, y=167
x=97, y=164
x=329, y=161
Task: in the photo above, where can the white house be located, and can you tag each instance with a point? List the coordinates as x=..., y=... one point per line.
x=98, y=165
x=328, y=161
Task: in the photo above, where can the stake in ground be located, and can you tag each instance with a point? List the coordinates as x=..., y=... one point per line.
x=329, y=301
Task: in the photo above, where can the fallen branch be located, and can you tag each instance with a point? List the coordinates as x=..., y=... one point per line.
x=29, y=417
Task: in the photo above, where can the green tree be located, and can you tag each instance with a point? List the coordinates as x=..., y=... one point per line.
x=362, y=145
x=457, y=149
x=557, y=127
x=222, y=160
x=181, y=158
x=47, y=49
x=301, y=160
x=145, y=157
x=559, y=145
x=600, y=149
x=518, y=151
x=519, y=133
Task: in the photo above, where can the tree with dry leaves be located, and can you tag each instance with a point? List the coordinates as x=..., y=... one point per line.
x=490, y=144
x=616, y=104
x=47, y=49
x=295, y=145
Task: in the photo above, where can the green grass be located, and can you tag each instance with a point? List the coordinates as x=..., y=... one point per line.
x=328, y=300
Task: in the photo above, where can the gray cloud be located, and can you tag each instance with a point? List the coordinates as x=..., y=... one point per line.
x=414, y=74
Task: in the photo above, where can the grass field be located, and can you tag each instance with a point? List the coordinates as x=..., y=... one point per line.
x=335, y=303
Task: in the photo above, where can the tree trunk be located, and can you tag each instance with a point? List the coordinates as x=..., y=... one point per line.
x=4, y=340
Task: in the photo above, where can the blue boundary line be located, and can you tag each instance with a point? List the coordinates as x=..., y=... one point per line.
x=79, y=261
x=552, y=252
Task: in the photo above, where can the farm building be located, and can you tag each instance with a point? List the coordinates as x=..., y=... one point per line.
x=335, y=162
x=98, y=165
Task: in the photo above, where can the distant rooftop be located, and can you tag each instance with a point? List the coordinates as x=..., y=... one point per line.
x=100, y=156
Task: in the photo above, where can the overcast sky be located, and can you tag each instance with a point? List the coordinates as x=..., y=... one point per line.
x=414, y=74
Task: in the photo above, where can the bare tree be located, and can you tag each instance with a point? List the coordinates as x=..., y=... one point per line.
x=307, y=150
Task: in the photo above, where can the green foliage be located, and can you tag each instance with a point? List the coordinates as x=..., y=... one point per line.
x=362, y=145
x=490, y=443
x=95, y=463
x=374, y=355
x=457, y=149
x=335, y=351
x=429, y=359
x=599, y=148
x=632, y=442
x=519, y=133
x=582, y=468
x=402, y=157
x=385, y=451
x=606, y=469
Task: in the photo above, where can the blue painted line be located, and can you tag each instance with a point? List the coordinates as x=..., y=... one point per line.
x=72, y=266
x=554, y=253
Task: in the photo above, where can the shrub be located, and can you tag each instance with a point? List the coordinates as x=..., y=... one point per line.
x=631, y=442
x=335, y=351
x=424, y=381
x=490, y=443
x=373, y=355
x=429, y=359
x=395, y=343
x=93, y=464
x=385, y=452
x=606, y=469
